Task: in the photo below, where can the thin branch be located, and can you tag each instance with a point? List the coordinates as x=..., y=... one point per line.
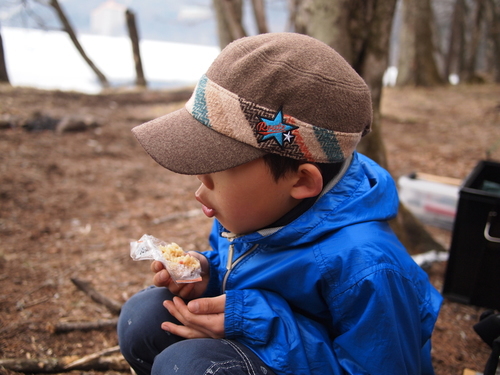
x=134, y=39
x=99, y=361
x=91, y=357
x=70, y=31
x=83, y=326
x=86, y=287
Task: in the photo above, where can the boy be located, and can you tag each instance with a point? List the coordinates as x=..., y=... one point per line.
x=305, y=275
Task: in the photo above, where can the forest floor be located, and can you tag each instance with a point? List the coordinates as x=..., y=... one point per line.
x=72, y=201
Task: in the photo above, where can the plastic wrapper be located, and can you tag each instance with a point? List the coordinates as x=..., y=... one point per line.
x=182, y=267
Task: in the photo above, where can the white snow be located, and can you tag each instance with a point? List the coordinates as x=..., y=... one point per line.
x=49, y=60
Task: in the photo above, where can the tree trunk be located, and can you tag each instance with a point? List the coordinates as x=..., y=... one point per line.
x=470, y=67
x=4, y=77
x=452, y=63
x=222, y=27
x=372, y=60
x=260, y=16
x=134, y=38
x=327, y=21
x=229, y=15
x=360, y=31
x=494, y=11
x=417, y=65
x=70, y=31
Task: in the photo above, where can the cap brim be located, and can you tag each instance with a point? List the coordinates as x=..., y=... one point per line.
x=183, y=145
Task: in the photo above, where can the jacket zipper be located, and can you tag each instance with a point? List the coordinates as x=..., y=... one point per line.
x=230, y=264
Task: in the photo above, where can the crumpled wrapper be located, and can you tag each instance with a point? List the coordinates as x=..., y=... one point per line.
x=149, y=248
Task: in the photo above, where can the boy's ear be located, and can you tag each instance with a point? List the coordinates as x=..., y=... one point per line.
x=309, y=182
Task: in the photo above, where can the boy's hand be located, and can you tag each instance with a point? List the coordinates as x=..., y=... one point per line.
x=187, y=291
x=201, y=318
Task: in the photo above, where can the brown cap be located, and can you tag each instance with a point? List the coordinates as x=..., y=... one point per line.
x=282, y=93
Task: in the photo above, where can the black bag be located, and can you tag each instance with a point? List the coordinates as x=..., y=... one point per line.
x=488, y=329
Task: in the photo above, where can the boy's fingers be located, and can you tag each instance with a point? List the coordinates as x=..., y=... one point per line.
x=186, y=290
x=188, y=333
x=157, y=266
x=193, y=325
x=214, y=305
x=162, y=278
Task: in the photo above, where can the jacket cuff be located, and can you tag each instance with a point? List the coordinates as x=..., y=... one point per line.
x=233, y=314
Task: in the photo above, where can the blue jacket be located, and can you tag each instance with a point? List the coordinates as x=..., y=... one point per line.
x=333, y=292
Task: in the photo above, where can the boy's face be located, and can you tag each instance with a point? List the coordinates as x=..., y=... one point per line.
x=246, y=198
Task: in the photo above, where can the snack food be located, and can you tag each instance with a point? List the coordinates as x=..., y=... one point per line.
x=182, y=267
x=174, y=254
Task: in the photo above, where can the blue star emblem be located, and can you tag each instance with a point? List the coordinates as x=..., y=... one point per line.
x=276, y=129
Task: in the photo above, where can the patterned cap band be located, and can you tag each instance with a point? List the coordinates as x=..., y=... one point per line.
x=269, y=130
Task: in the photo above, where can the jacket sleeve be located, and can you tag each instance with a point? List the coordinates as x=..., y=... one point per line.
x=379, y=326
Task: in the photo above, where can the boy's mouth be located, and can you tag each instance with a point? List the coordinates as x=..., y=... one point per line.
x=209, y=212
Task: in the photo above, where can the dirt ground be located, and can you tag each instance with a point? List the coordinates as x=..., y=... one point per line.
x=71, y=202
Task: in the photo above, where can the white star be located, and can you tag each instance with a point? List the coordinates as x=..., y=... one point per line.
x=288, y=137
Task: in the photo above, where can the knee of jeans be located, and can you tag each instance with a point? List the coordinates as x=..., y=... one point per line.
x=139, y=324
x=136, y=323
x=201, y=356
x=179, y=359
x=128, y=335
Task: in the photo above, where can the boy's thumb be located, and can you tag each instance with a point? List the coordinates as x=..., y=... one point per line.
x=194, y=307
x=213, y=305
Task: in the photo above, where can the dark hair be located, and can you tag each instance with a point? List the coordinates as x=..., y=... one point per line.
x=281, y=165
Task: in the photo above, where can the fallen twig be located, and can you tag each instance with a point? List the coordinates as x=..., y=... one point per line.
x=86, y=287
x=99, y=361
x=92, y=357
x=83, y=326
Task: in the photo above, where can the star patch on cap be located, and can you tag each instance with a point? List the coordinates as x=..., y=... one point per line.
x=276, y=129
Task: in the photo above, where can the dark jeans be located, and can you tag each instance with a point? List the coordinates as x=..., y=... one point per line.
x=150, y=350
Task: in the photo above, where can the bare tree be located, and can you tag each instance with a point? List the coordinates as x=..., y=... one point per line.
x=417, y=64
x=471, y=58
x=229, y=15
x=474, y=42
x=134, y=38
x=456, y=41
x=260, y=16
x=4, y=77
x=493, y=10
x=70, y=31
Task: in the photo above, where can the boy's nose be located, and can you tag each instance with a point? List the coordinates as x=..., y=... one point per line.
x=205, y=180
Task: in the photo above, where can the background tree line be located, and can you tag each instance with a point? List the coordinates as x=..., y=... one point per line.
x=429, y=41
